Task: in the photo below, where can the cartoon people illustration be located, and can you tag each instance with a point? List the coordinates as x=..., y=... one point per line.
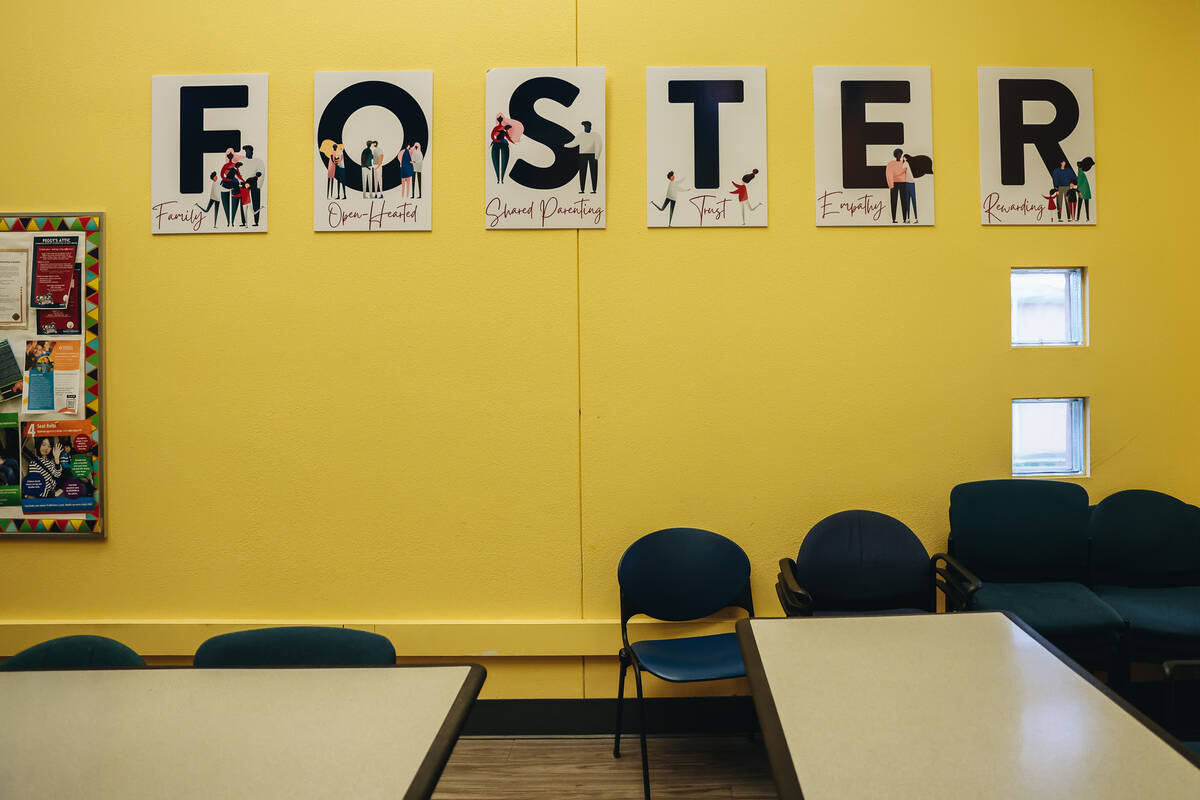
x=1063, y=179
x=376, y=168
x=334, y=153
x=214, y=199
x=590, y=147
x=896, y=173
x=418, y=158
x=674, y=187
x=916, y=167
x=339, y=159
x=502, y=136
x=1085, y=188
x=742, y=191
x=406, y=173
x=364, y=161
x=231, y=184
x=255, y=172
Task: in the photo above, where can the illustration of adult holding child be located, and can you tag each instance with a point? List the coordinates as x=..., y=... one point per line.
x=506, y=132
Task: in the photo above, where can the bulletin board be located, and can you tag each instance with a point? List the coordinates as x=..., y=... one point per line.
x=51, y=476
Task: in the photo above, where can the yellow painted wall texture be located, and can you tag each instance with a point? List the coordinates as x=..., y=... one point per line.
x=452, y=436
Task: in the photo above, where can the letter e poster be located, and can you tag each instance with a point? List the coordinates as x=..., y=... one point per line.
x=544, y=138
x=873, y=142
x=1037, y=146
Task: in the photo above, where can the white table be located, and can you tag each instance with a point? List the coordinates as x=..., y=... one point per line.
x=366, y=732
x=972, y=705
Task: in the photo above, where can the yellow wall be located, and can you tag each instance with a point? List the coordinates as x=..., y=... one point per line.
x=280, y=451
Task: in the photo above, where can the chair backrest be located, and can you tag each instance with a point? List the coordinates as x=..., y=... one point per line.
x=1145, y=538
x=1021, y=530
x=864, y=561
x=75, y=652
x=299, y=646
x=683, y=573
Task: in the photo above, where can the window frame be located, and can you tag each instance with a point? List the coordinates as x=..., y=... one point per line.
x=1076, y=317
x=1079, y=432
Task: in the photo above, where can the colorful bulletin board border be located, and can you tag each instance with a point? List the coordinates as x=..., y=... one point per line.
x=92, y=225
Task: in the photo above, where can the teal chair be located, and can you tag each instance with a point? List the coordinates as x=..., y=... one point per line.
x=75, y=652
x=296, y=646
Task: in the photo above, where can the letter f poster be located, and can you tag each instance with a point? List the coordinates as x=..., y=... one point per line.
x=544, y=138
x=1037, y=143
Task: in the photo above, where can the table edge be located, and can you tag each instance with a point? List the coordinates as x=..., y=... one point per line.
x=430, y=771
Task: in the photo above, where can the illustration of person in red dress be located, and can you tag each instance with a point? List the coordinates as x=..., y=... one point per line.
x=743, y=193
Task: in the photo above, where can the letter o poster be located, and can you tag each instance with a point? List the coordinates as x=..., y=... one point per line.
x=1037, y=146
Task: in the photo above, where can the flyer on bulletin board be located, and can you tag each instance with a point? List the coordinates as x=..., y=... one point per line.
x=56, y=466
x=68, y=321
x=14, y=274
x=12, y=377
x=53, y=269
x=10, y=461
x=52, y=377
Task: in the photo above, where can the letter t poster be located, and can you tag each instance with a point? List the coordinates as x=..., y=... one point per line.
x=706, y=147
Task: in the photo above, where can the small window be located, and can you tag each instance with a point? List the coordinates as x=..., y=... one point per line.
x=1049, y=436
x=1047, y=307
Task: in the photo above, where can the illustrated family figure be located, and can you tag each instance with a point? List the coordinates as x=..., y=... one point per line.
x=674, y=187
x=901, y=174
x=1071, y=190
x=508, y=132
x=371, y=163
x=239, y=183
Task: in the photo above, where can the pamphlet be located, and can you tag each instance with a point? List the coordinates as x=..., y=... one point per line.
x=53, y=269
x=64, y=322
x=56, y=466
x=52, y=376
x=11, y=375
x=14, y=275
x=10, y=461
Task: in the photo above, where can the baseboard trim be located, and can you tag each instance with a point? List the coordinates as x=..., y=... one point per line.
x=665, y=716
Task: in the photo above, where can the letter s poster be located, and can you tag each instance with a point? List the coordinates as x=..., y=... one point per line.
x=1037, y=146
x=873, y=138
x=706, y=147
x=545, y=144
x=372, y=154
x=208, y=163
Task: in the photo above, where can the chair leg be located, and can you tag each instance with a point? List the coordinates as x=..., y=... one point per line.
x=620, y=701
x=637, y=677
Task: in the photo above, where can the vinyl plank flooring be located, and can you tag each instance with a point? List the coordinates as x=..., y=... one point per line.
x=694, y=768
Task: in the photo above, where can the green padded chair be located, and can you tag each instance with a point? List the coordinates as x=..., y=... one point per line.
x=1146, y=565
x=75, y=652
x=1027, y=541
x=296, y=646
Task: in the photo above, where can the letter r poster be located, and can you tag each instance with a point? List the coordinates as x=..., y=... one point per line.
x=873, y=143
x=1037, y=146
x=706, y=147
x=208, y=162
x=545, y=148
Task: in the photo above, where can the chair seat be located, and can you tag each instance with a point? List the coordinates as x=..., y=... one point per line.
x=695, y=658
x=1051, y=608
x=883, y=612
x=1161, y=611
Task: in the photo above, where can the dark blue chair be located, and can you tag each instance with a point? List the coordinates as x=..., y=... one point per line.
x=1028, y=540
x=75, y=652
x=1180, y=672
x=299, y=646
x=675, y=575
x=865, y=562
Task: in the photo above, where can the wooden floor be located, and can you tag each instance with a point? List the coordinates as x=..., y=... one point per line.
x=697, y=768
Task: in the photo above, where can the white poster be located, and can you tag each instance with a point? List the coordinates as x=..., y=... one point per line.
x=873, y=137
x=544, y=148
x=372, y=159
x=1037, y=142
x=706, y=147
x=209, y=154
